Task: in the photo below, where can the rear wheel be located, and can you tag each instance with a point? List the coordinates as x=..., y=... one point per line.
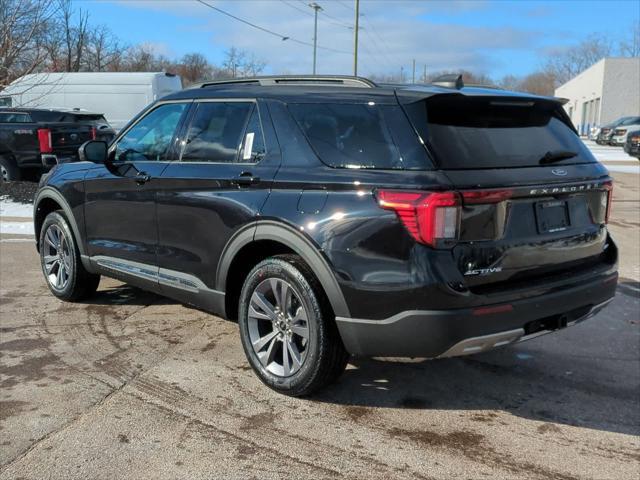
x=286, y=328
x=9, y=171
x=60, y=259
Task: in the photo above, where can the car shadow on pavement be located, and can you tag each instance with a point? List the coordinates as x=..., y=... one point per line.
x=537, y=387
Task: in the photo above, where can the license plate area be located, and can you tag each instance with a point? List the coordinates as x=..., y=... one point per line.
x=552, y=216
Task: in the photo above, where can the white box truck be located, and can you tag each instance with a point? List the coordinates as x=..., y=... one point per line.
x=119, y=96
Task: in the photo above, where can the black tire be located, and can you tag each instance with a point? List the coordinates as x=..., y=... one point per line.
x=325, y=356
x=79, y=283
x=9, y=171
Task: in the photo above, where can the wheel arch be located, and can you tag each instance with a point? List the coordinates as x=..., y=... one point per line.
x=267, y=238
x=49, y=200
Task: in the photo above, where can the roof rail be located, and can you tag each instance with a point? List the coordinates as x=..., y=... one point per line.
x=450, y=80
x=337, y=80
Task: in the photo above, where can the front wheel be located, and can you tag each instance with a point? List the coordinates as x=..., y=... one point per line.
x=287, y=331
x=60, y=259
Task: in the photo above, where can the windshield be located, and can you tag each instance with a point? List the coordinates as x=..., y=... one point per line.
x=494, y=132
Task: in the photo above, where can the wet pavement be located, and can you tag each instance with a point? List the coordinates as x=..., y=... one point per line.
x=131, y=385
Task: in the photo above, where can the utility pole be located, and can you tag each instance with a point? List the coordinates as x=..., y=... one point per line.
x=424, y=75
x=413, y=76
x=317, y=8
x=355, y=38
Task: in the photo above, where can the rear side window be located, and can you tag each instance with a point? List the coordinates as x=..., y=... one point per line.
x=469, y=132
x=215, y=133
x=11, y=117
x=361, y=136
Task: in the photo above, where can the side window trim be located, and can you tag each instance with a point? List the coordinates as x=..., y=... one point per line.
x=142, y=115
x=191, y=116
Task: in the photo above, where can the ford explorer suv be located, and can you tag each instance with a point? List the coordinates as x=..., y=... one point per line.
x=330, y=217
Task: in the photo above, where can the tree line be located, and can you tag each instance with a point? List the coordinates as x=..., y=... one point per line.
x=53, y=36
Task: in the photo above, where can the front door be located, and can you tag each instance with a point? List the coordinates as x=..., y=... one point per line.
x=120, y=206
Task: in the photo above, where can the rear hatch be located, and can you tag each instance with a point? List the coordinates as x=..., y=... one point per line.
x=67, y=137
x=533, y=200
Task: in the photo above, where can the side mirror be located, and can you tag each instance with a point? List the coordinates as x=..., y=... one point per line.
x=93, y=151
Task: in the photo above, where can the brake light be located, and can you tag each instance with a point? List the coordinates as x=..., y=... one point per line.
x=44, y=140
x=609, y=188
x=428, y=216
x=93, y=133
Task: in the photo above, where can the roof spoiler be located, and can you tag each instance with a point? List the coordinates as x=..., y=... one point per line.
x=450, y=80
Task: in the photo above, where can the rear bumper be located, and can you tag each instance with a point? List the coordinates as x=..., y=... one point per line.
x=445, y=333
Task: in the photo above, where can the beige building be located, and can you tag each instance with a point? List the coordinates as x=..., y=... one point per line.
x=606, y=91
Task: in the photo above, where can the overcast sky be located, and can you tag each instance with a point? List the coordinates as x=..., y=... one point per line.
x=491, y=37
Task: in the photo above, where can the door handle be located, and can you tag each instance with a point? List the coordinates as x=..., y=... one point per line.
x=246, y=179
x=142, y=178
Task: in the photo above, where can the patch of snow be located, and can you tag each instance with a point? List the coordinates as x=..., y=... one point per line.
x=20, y=228
x=9, y=208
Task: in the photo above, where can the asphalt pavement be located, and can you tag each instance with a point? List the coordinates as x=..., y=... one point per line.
x=132, y=385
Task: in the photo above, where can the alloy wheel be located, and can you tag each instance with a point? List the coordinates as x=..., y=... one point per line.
x=4, y=173
x=278, y=327
x=57, y=257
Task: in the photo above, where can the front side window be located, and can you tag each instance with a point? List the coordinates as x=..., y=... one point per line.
x=216, y=133
x=150, y=138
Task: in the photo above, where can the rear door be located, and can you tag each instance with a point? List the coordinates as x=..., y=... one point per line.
x=219, y=184
x=534, y=197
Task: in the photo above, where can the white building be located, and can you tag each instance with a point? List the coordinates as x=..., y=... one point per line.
x=606, y=91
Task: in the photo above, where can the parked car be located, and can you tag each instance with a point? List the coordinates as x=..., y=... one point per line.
x=39, y=138
x=333, y=217
x=118, y=95
x=606, y=131
x=619, y=134
x=632, y=145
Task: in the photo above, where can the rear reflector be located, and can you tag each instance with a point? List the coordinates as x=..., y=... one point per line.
x=93, y=133
x=493, y=309
x=486, y=196
x=44, y=140
x=609, y=188
x=428, y=216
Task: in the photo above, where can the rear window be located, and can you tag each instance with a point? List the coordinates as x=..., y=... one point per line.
x=361, y=136
x=468, y=133
x=14, y=117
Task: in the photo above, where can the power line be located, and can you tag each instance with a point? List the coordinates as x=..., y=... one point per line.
x=297, y=8
x=270, y=32
x=333, y=20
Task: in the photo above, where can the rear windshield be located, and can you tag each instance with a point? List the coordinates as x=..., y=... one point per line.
x=361, y=136
x=467, y=133
x=53, y=116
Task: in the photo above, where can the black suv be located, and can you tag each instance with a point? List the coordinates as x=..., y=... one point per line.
x=334, y=217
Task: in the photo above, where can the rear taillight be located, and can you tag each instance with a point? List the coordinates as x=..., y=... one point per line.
x=428, y=216
x=609, y=189
x=485, y=196
x=93, y=133
x=44, y=140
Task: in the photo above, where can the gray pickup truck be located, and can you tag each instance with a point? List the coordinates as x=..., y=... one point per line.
x=37, y=139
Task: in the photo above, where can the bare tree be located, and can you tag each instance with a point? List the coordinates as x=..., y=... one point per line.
x=75, y=35
x=563, y=66
x=103, y=50
x=630, y=46
x=538, y=83
x=252, y=66
x=193, y=67
x=23, y=25
x=233, y=61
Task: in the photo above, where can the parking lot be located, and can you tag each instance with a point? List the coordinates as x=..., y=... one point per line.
x=131, y=385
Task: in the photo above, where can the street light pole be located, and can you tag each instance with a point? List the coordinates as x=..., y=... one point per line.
x=355, y=39
x=317, y=8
